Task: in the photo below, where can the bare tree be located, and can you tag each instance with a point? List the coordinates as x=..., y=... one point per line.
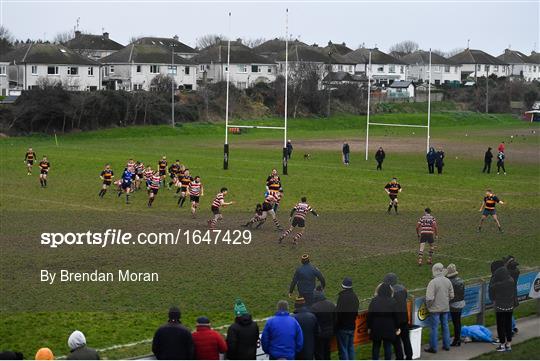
x=6, y=40
x=438, y=52
x=209, y=40
x=405, y=47
x=63, y=37
x=253, y=42
x=453, y=52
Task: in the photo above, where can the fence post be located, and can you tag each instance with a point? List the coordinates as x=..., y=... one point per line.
x=481, y=317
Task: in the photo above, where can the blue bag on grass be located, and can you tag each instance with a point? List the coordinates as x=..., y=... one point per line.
x=477, y=333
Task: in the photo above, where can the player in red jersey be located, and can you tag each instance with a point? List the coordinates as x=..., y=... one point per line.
x=106, y=176
x=29, y=159
x=44, y=167
x=488, y=209
x=184, y=180
x=298, y=216
x=162, y=167
x=196, y=191
x=153, y=187
x=217, y=203
x=427, y=230
x=267, y=208
x=393, y=188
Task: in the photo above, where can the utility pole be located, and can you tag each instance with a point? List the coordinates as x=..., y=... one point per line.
x=172, y=85
x=487, y=90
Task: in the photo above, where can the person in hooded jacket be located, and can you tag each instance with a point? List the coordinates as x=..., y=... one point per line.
x=79, y=350
x=439, y=292
x=305, y=278
x=439, y=161
x=310, y=329
x=282, y=336
x=242, y=335
x=379, y=157
x=173, y=341
x=383, y=321
x=431, y=156
x=325, y=311
x=488, y=157
x=208, y=343
x=402, y=343
x=502, y=291
x=457, y=303
x=346, y=312
x=512, y=266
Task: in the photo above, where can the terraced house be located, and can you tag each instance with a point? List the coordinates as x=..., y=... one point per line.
x=443, y=71
x=36, y=64
x=477, y=63
x=385, y=69
x=93, y=46
x=521, y=66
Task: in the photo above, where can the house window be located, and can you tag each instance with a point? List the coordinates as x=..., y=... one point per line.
x=401, y=69
x=487, y=68
x=269, y=70
x=255, y=69
x=226, y=68
x=90, y=71
x=201, y=67
x=52, y=70
x=479, y=67
x=241, y=85
x=447, y=68
x=34, y=69
x=186, y=70
x=139, y=69
x=495, y=68
x=2, y=70
x=392, y=69
x=172, y=69
x=242, y=69
x=154, y=69
x=380, y=69
x=534, y=68
x=73, y=70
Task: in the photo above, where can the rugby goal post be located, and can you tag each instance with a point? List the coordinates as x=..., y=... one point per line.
x=283, y=128
x=427, y=126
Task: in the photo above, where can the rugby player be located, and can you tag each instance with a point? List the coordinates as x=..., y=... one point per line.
x=139, y=174
x=29, y=159
x=162, y=167
x=488, y=209
x=427, y=230
x=393, y=188
x=298, y=217
x=217, y=203
x=125, y=186
x=153, y=188
x=44, y=167
x=196, y=191
x=267, y=207
x=106, y=176
x=185, y=180
x=173, y=171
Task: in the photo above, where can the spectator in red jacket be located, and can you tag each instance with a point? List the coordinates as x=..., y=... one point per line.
x=501, y=147
x=208, y=343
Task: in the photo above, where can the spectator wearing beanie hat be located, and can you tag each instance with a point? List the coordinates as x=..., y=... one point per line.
x=310, y=329
x=242, y=335
x=439, y=292
x=173, y=341
x=457, y=303
x=208, y=343
x=79, y=350
x=44, y=353
x=305, y=279
x=346, y=313
x=325, y=311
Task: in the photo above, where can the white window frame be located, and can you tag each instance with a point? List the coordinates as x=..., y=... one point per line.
x=447, y=69
x=187, y=70
x=138, y=68
x=90, y=71
x=380, y=69
x=111, y=69
x=56, y=70
x=242, y=68
x=172, y=69
x=392, y=69
x=269, y=70
x=34, y=70
x=70, y=70
x=154, y=67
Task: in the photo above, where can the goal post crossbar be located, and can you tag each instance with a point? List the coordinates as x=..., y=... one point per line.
x=255, y=127
x=400, y=125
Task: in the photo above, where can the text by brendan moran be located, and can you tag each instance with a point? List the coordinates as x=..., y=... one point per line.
x=68, y=276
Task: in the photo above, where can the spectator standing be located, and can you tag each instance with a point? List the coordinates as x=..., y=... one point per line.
x=242, y=335
x=439, y=161
x=44, y=354
x=382, y=321
x=305, y=278
x=402, y=344
x=282, y=336
x=501, y=147
x=438, y=295
x=431, y=156
x=346, y=313
x=173, y=341
x=346, y=153
x=502, y=291
x=500, y=162
x=457, y=302
x=289, y=149
x=208, y=343
x=379, y=157
x=512, y=266
x=325, y=311
x=78, y=348
x=310, y=329
x=488, y=157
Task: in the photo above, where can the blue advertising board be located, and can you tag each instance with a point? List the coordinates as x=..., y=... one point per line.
x=527, y=282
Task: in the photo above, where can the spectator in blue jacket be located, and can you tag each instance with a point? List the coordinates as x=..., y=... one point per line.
x=305, y=278
x=431, y=156
x=282, y=336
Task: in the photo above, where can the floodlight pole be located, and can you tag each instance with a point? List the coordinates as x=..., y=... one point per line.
x=226, y=145
x=368, y=71
x=429, y=105
x=285, y=154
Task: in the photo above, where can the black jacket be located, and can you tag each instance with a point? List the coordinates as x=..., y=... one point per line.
x=305, y=277
x=439, y=160
x=382, y=318
x=380, y=155
x=459, y=289
x=173, y=341
x=346, y=149
x=347, y=310
x=325, y=311
x=83, y=353
x=502, y=290
x=488, y=156
x=310, y=331
x=242, y=338
x=513, y=269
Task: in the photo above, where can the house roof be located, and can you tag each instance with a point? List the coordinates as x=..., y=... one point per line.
x=303, y=53
x=344, y=76
x=361, y=56
x=340, y=49
x=535, y=57
x=94, y=42
x=514, y=57
x=474, y=56
x=240, y=54
x=272, y=48
x=179, y=47
x=401, y=84
x=46, y=53
x=144, y=54
x=421, y=57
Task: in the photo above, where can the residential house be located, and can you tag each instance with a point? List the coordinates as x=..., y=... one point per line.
x=520, y=65
x=334, y=79
x=335, y=61
x=385, y=68
x=272, y=48
x=136, y=65
x=400, y=89
x=36, y=64
x=303, y=57
x=93, y=46
x=443, y=71
x=4, y=82
x=335, y=48
x=247, y=67
x=477, y=63
x=181, y=49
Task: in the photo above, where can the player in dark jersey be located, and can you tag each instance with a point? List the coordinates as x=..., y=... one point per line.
x=139, y=174
x=44, y=167
x=29, y=159
x=267, y=208
x=162, y=167
x=196, y=191
x=488, y=209
x=217, y=203
x=173, y=171
x=153, y=188
x=427, y=230
x=184, y=185
x=298, y=216
x=393, y=188
x=125, y=186
x=106, y=176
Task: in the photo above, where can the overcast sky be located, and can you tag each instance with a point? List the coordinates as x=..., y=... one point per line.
x=490, y=25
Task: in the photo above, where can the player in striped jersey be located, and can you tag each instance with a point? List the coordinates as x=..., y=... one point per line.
x=44, y=166
x=173, y=171
x=29, y=159
x=393, y=188
x=267, y=207
x=148, y=173
x=184, y=184
x=153, y=188
x=427, y=230
x=196, y=191
x=298, y=215
x=162, y=167
x=106, y=176
x=217, y=203
x=139, y=174
x=488, y=209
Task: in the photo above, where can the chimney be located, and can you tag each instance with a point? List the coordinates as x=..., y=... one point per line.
x=77, y=33
x=239, y=40
x=106, y=35
x=175, y=38
x=343, y=43
x=329, y=42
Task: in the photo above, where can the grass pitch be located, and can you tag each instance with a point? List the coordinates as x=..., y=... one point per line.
x=353, y=236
